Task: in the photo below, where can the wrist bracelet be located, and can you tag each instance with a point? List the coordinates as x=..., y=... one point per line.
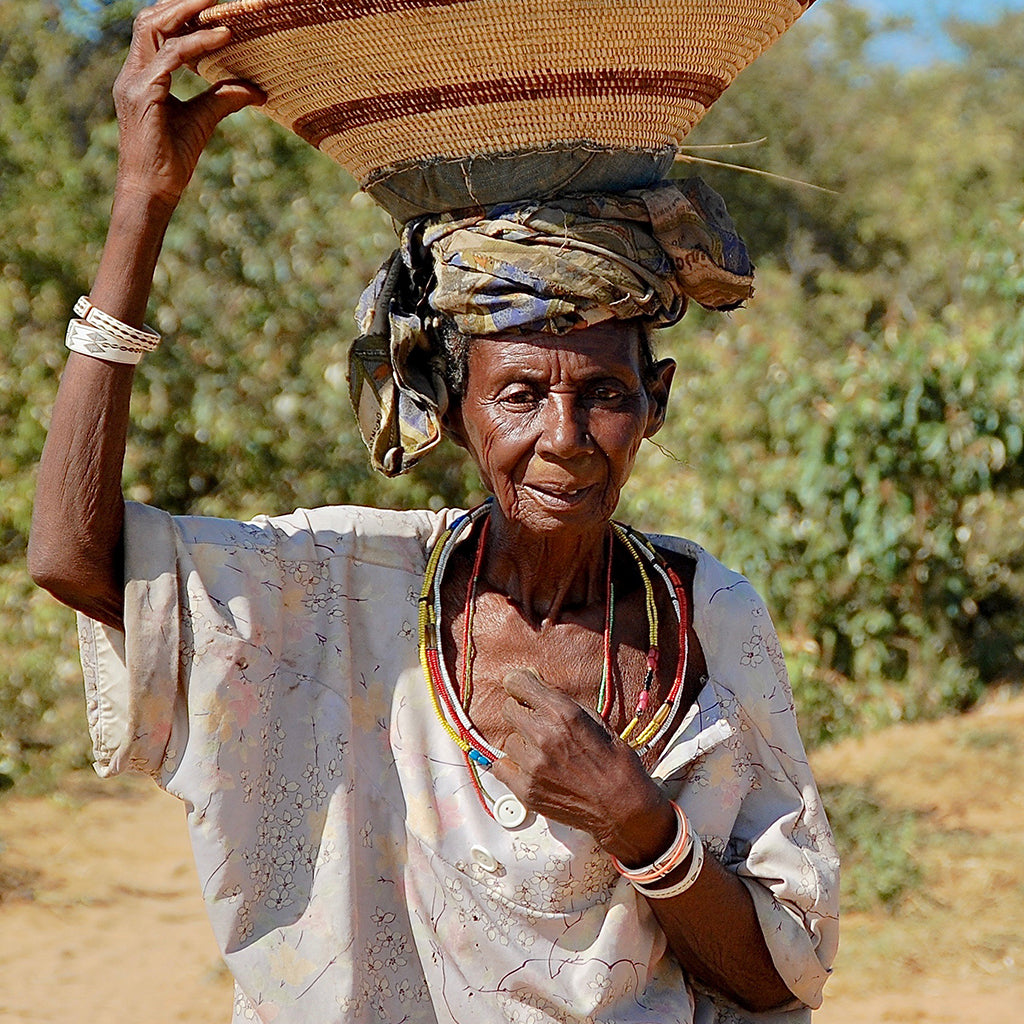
x=684, y=883
x=144, y=339
x=668, y=861
x=94, y=341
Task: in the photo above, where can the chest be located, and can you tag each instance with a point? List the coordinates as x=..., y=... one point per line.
x=600, y=668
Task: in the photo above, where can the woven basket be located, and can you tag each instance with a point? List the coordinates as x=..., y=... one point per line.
x=390, y=87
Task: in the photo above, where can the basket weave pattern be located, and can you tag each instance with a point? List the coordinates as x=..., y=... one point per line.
x=380, y=84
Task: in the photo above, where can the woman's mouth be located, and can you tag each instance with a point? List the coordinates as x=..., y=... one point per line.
x=558, y=496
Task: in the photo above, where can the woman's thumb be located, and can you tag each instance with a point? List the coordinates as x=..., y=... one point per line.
x=225, y=98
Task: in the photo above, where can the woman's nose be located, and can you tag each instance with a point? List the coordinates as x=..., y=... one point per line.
x=565, y=431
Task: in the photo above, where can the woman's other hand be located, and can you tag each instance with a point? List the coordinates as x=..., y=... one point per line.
x=162, y=137
x=564, y=762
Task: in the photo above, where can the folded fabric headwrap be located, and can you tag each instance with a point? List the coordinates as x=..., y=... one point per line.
x=552, y=266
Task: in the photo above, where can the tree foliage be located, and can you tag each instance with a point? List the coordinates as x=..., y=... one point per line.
x=852, y=440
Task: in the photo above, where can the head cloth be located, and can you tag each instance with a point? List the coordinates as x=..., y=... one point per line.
x=553, y=266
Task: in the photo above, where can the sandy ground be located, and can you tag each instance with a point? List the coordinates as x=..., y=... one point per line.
x=100, y=917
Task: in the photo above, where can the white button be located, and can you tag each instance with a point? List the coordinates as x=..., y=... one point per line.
x=483, y=858
x=508, y=811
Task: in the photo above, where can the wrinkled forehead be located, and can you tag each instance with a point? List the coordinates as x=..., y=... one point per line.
x=613, y=344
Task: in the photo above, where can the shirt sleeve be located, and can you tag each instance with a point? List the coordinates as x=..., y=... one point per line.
x=739, y=766
x=213, y=609
x=782, y=849
x=782, y=841
x=189, y=582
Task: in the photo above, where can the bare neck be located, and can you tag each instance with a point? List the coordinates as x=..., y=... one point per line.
x=546, y=574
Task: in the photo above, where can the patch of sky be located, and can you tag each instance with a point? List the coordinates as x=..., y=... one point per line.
x=87, y=17
x=921, y=37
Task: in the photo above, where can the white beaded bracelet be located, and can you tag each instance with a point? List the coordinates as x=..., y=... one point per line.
x=94, y=341
x=144, y=339
x=685, y=882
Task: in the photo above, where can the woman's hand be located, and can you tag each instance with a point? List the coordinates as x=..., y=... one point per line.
x=162, y=137
x=563, y=762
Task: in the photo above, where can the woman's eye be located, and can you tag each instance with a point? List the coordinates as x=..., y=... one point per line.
x=518, y=396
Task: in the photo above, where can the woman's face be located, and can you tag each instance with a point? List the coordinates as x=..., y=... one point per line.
x=554, y=423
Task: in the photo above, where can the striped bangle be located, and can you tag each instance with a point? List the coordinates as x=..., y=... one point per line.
x=141, y=340
x=93, y=341
x=668, y=861
x=684, y=883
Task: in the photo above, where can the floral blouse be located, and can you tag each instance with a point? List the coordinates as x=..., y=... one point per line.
x=268, y=676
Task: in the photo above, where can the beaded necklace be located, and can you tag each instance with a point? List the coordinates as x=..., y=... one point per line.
x=451, y=707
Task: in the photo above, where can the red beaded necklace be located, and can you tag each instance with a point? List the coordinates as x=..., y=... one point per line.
x=452, y=706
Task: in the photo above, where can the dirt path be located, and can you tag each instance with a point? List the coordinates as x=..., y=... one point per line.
x=100, y=918
x=104, y=921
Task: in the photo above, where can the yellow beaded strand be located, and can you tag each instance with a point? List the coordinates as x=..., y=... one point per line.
x=428, y=636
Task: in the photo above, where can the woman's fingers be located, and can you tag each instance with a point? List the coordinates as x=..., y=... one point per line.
x=551, y=733
x=158, y=62
x=530, y=694
x=163, y=137
x=562, y=761
x=157, y=51
x=156, y=23
x=525, y=691
x=189, y=48
x=156, y=42
x=147, y=80
x=526, y=685
x=534, y=704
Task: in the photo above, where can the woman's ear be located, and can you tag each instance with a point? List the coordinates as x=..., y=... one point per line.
x=658, y=387
x=452, y=424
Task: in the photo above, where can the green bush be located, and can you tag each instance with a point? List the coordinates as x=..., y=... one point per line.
x=865, y=491
x=875, y=843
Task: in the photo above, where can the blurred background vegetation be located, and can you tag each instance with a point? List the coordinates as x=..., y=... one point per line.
x=852, y=441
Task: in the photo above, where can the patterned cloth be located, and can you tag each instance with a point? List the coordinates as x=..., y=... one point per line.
x=269, y=678
x=555, y=266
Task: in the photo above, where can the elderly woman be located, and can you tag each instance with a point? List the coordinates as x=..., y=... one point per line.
x=515, y=764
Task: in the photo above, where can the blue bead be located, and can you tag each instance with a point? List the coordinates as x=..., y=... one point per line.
x=475, y=755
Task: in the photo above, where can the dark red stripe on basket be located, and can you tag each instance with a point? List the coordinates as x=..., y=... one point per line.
x=260, y=20
x=281, y=17
x=342, y=117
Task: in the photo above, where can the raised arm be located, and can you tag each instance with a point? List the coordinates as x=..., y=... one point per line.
x=75, y=543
